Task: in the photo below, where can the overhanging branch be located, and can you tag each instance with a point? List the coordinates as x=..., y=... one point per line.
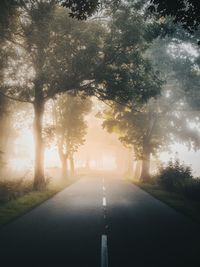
x=16, y=99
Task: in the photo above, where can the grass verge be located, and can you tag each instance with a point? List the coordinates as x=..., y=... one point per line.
x=177, y=201
x=19, y=206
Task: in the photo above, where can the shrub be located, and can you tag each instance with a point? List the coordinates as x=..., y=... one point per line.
x=11, y=189
x=175, y=176
x=192, y=189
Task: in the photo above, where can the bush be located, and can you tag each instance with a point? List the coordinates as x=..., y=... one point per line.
x=11, y=189
x=175, y=176
x=192, y=189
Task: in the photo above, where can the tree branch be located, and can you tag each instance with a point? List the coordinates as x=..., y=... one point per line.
x=16, y=99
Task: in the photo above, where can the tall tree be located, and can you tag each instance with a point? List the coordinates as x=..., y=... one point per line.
x=153, y=126
x=70, y=126
x=54, y=52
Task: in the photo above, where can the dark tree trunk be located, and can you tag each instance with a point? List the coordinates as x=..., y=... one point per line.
x=145, y=173
x=72, y=166
x=39, y=179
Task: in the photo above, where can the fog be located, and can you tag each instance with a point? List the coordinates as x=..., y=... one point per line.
x=118, y=93
x=101, y=151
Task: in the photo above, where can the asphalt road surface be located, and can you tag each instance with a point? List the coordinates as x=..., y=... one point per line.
x=101, y=222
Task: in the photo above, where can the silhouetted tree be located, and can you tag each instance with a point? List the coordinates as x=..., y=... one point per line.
x=185, y=12
x=152, y=127
x=70, y=126
x=54, y=52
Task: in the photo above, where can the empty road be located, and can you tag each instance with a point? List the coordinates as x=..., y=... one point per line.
x=97, y=222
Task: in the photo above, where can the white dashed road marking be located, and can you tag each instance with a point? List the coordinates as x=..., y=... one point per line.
x=104, y=201
x=104, y=251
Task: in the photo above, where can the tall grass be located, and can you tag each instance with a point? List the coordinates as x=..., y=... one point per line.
x=12, y=189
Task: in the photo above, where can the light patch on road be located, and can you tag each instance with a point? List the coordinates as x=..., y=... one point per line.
x=104, y=251
x=104, y=201
x=104, y=189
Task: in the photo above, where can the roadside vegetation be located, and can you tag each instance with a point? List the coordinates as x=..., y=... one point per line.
x=18, y=196
x=175, y=185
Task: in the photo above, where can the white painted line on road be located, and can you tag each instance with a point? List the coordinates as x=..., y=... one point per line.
x=104, y=189
x=104, y=251
x=104, y=201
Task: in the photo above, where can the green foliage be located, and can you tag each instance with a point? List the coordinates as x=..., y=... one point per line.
x=7, y=15
x=70, y=125
x=185, y=12
x=23, y=203
x=125, y=74
x=59, y=53
x=174, y=176
x=192, y=189
x=12, y=189
x=81, y=9
x=158, y=123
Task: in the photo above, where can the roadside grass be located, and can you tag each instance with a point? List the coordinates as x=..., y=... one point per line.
x=22, y=204
x=178, y=201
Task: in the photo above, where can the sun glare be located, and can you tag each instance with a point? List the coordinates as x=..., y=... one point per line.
x=51, y=158
x=20, y=164
x=23, y=157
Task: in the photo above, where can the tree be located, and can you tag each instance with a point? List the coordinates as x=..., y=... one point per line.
x=137, y=129
x=125, y=73
x=185, y=12
x=70, y=126
x=3, y=112
x=150, y=128
x=84, y=9
x=81, y=9
x=7, y=15
x=7, y=21
x=54, y=52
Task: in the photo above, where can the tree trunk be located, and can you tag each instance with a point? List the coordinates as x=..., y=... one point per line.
x=137, y=170
x=72, y=166
x=130, y=163
x=145, y=173
x=63, y=158
x=39, y=179
x=64, y=167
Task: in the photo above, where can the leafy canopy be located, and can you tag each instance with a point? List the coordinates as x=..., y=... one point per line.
x=186, y=12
